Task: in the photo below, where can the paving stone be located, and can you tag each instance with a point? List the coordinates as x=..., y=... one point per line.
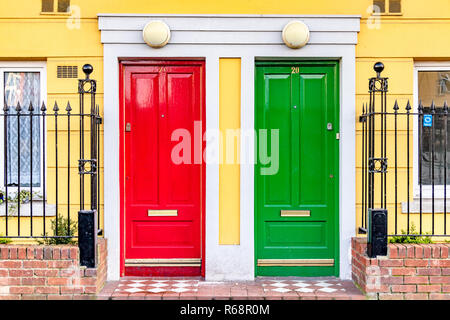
x=185, y=288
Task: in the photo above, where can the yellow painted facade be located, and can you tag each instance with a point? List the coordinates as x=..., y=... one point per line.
x=418, y=34
x=229, y=171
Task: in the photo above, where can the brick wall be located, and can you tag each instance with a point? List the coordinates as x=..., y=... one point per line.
x=49, y=272
x=410, y=271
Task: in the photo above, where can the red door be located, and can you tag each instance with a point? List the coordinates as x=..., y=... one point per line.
x=162, y=128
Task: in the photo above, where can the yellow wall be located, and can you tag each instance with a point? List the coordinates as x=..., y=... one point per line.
x=399, y=42
x=418, y=34
x=229, y=171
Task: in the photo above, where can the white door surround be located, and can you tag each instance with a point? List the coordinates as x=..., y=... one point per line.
x=249, y=37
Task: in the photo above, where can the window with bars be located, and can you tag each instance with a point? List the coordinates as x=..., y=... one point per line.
x=387, y=6
x=434, y=87
x=55, y=6
x=22, y=140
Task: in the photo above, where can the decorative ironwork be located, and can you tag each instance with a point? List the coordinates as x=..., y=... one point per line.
x=25, y=202
x=88, y=87
x=378, y=83
x=92, y=167
x=378, y=165
x=405, y=207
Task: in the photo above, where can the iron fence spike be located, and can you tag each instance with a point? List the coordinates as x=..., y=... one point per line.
x=5, y=107
x=433, y=107
x=408, y=106
x=15, y=126
x=420, y=107
x=445, y=107
x=396, y=106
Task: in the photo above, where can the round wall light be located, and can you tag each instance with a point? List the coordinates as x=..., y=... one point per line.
x=156, y=34
x=295, y=34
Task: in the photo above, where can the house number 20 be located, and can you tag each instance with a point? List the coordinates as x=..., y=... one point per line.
x=295, y=69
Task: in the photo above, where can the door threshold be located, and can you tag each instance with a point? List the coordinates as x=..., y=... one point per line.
x=190, y=262
x=163, y=267
x=199, y=278
x=324, y=278
x=295, y=262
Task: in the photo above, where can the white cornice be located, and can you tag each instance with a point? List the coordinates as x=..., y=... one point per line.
x=229, y=29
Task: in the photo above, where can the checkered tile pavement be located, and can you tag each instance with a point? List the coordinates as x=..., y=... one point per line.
x=261, y=288
x=304, y=286
x=157, y=286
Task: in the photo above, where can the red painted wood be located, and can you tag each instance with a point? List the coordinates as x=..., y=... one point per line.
x=157, y=98
x=121, y=170
x=162, y=271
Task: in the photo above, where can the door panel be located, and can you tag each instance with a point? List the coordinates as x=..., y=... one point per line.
x=278, y=89
x=297, y=208
x=163, y=198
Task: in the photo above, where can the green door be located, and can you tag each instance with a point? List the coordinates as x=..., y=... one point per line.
x=296, y=200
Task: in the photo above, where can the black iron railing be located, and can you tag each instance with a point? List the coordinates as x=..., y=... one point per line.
x=404, y=165
x=43, y=194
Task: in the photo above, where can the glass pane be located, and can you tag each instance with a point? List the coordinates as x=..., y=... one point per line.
x=395, y=6
x=379, y=6
x=23, y=88
x=435, y=86
x=47, y=5
x=63, y=5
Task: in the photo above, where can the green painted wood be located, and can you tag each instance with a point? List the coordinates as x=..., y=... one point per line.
x=299, y=99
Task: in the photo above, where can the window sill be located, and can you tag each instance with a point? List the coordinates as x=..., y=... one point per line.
x=38, y=209
x=387, y=14
x=414, y=206
x=56, y=14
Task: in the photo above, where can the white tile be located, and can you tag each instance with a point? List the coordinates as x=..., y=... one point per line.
x=305, y=290
x=156, y=290
x=328, y=290
x=133, y=290
x=182, y=285
x=180, y=290
x=158, y=285
x=323, y=284
x=283, y=290
x=279, y=285
x=302, y=284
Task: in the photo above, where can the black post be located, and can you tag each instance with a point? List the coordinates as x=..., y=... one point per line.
x=377, y=163
x=377, y=237
x=88, y=219
x=87, y=237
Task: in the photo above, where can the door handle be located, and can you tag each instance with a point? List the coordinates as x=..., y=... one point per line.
x=128, y=127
